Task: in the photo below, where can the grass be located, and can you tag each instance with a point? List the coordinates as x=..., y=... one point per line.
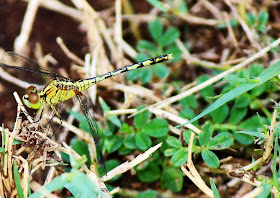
x=209, y=117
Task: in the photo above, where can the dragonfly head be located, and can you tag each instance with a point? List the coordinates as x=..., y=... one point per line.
x=31, y=98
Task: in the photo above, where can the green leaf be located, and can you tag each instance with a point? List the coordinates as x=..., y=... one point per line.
x=253, y=133
x=129, y=141
x=157, y=127
x=237, y=114
x=210, y=159
x=143, y=141
x=169, y=152
x=251, y=18
x=141, y=119
x=220, y=114
x=267, y=74
x=172, y=178
x=161, y=70
x=232, y=22
x=149, y=174
x=221, y=141
x=242, y=101
x=263, y=19
x=148, y=193
x=180, y=157
x=81, y=148
x=252, y=123
x=156, y=29
x=243, y=138
x=207, y=91
x=189, y=101
x=113, y=143
x=169, y=36
x=206, y=134
x=174, y=142
x=20, y=193
x=144, y=46
x=157, y=4
x=187, y=135
x=146, y=75
x=214, y=189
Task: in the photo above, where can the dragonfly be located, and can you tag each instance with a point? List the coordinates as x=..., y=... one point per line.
x=61, y=88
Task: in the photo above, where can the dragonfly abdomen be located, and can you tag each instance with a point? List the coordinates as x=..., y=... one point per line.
x=86, y=83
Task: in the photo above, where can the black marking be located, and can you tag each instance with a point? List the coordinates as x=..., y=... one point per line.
x=140, y=65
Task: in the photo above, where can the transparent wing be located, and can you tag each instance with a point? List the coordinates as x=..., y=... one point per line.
x=88, y=112
x=25, y=68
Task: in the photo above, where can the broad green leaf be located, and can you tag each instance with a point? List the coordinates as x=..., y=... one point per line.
x=172, y=178
x=237, y=114
x=146, y=75
x=169, y=152
x=189, y=101
x=148, y=193
x=156, y=29
x=244, y=138
x=169, y=36
x=81, y=148
x=180, y=157
x=242, y=101
x=206, y=134
x=187, y=135
x=174, y=142
x=158, y=4
x=251, y=18
x=221, y=141
x=267, y=74
x=220, y=114
x=207, y=91
x=113, y=143
x=144, y=46
x=161, y=70
x=143, y=141
x=157, y=127
x=129, y=141
x=141, y=119
x=210, y=158
x=149, y=174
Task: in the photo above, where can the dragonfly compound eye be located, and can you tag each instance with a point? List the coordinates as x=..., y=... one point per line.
x=30, y=89
x=32, y=100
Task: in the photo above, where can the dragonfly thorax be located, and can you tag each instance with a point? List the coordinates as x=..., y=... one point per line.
x=31, y=98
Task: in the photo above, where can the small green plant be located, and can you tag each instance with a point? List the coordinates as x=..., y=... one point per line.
x=164, y=44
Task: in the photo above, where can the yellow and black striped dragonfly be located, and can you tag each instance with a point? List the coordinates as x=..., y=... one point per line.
x=60, y=88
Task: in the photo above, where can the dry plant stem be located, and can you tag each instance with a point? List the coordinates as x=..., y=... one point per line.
x=36, y=186
x=128, y=165
x=192, y=172
x=213, y=9
x=26, y=27
x=173, y=118
x=16, y=96
x=68, y=53
x=212, y=80
x=254, y=193
x=61, y=8
x=250, y=35
x=118, y=29
x=190, y=18
x=230, y=31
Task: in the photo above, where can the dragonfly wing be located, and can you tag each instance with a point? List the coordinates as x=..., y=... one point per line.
x=14, y=61
x=89, y=114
